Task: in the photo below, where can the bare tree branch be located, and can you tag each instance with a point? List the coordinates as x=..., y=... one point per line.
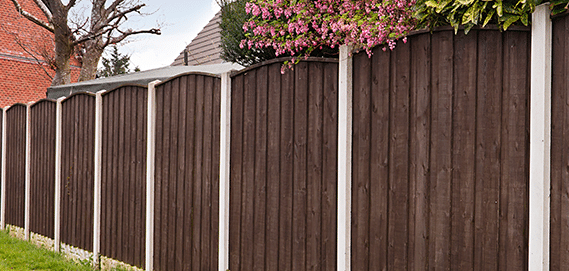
x=32, y=18
x=112, y=7
x=130, y=32
x=44, y=9
x=120, y=14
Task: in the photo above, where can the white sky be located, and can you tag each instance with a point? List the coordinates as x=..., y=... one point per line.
x=179, y=20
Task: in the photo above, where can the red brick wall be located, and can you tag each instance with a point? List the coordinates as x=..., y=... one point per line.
x=22, y=79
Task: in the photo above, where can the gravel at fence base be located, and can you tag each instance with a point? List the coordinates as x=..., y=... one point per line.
x=70, y=252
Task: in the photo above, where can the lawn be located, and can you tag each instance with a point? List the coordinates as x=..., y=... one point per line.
x=17, y=254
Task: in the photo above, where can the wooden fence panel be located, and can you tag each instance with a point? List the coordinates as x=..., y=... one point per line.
x=42, y=168
x=559, y=243
x=15, y=164
x=284, y=167
x=77, y=165
x=187, y=173
x=441, y=153
x=123, y=182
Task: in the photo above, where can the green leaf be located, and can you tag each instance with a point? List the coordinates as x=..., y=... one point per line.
x=431, y=3
x=489, y=17
x=442, y=4
x=510, y=21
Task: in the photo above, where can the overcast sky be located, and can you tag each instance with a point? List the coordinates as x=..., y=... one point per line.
x=180, y=21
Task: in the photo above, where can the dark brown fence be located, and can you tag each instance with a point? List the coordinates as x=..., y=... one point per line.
x=42, y=170
x=15, y=164
x=283, y=168
x=187, y=173
x=440, y=154
x=123, y=181
x=77, y=162
x=559, y=143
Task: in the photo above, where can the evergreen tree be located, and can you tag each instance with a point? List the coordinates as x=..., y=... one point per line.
x=116, y=64
x=233, y=16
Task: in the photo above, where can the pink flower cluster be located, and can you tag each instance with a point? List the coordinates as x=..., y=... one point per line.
x=300, y=26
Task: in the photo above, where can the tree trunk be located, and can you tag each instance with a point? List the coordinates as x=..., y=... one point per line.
x=63, y=50
x=93, y=51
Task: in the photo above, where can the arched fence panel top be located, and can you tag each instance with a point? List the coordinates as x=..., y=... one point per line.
x=78, y=94
x=188, y=74
x=42, y=101
x=281, y=60
x=136, y=87
x=17, y=105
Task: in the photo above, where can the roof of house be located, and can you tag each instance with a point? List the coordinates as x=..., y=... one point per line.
x=137, y=78
x=204, y=48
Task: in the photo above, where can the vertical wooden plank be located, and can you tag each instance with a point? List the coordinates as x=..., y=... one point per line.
x=360, y=166
x=214, y=232
x=419, y=151
x=190, y=96
x=248, y=189
x=287, y=109
x=180, y=88
x=207, y=175
x=558, y=98
x=165, y=180
x=173, y=179
x=564, y=186
x=463, y=150
x=514, y=188
x=379, y=158
x=314, y=168
x=399, y=158
x=132, y=193
x=273, y=167
x=441, y=150
x=121, y=180
x=198, y=177
x=299, y=211
x=329, y=166
x=236, y=181
x=488, y=145
x=260, y=176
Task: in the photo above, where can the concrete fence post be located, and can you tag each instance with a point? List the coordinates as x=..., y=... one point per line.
x=57, y=196
x=150, y=169
x=97, y=177
x=540, y=140
x=28, y=161
x=224, y=168
x=3, y=173
x=345, y=105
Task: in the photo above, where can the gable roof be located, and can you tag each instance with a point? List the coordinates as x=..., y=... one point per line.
x=204, y=48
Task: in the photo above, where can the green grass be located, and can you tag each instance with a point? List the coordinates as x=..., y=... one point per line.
x=17, y=254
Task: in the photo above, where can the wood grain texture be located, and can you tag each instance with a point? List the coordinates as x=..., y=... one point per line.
x=283, y=168
x=15, y=164
x=447, y=120
x=42, y=170
x=77, y=163
x=187, y=159
x=123, y=135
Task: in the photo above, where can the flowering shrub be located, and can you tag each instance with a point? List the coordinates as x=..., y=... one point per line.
x=298, y=27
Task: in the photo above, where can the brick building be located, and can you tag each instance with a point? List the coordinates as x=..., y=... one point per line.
x=24, y=75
